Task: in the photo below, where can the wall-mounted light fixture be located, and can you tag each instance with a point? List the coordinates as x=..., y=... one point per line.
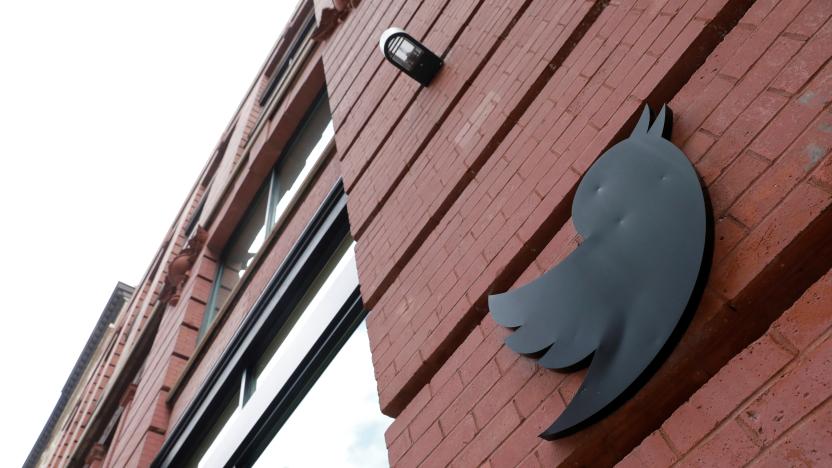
x=409, y=55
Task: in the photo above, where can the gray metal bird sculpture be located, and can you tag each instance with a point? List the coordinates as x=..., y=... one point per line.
x=619, y=296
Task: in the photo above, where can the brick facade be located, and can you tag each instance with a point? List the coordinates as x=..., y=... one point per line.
x=464, y=188
x=769, y=405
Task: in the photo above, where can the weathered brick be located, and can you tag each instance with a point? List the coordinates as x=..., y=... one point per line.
x=805, y=63
x=809, y=317
x=422, y=447
x=733, y=182
x=796, y=116
x=488, y=438
x=453, y=443
x=398, y=447
x=437, y=405
x=468, y=397
x=524, y=439
x=503, y=391
x=735, y=382
x=730, y=446
x=798, y=392
x=653, y=452
x=799, y=208
x=805, y=445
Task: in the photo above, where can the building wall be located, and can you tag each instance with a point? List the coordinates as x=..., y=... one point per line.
x=177, y=365
x=464, y=188
x=280, y=241
x=769, y=404
x=90, y=373
x=145, y=416
x=158, y=381
x=139, y=418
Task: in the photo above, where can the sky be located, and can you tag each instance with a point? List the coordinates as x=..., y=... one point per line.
x=108, y=112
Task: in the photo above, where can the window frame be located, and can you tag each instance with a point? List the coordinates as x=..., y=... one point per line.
x=273, y=218
x=280, y=73
x=255, y=425
x=319, y=240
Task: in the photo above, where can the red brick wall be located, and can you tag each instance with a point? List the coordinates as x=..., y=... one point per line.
x=145, y=420
x=287, y=236
x=264, y=152
x=465, y=187
x=770, y=404
x=128, y=325
x=175, y=366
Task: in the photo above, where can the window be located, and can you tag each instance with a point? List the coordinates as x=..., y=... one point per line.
x=342, y=406
x=302, y=342
x=337, y=398
x=276, y=196
x=278, y=76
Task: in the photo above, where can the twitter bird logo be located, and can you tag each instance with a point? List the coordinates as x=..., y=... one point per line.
x=620, y=295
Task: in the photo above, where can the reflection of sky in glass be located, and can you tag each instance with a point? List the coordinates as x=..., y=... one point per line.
x=253, y=249
x=296, y=183
x=338, y=423
x=308, y=165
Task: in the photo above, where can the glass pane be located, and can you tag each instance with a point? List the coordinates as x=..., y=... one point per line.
x=294, y=166
x=339, y=414
x=248, y=238
x=298, y=318
x=286, y=181
x=264, y=378
x=238, y=255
